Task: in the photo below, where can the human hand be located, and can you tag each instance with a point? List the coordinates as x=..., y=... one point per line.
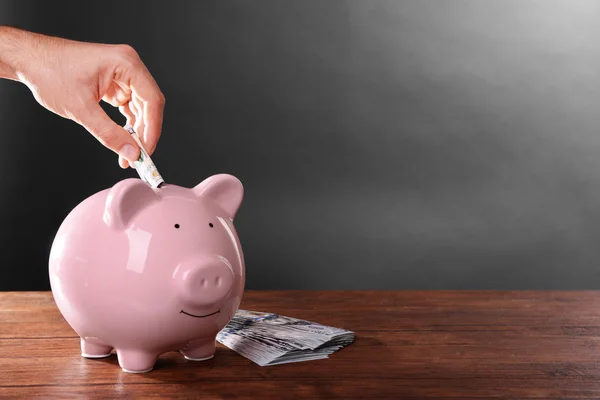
x=70, y=78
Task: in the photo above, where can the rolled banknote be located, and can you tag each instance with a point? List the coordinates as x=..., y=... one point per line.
x=144, y=165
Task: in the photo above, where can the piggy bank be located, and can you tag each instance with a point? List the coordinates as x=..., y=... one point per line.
x=146, y=271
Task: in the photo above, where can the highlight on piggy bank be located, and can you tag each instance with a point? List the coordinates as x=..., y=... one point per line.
x=145, y=271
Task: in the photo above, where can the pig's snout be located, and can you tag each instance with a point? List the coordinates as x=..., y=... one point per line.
x=206, y=283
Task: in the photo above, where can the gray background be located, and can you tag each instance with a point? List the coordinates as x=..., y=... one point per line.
x=383, y=144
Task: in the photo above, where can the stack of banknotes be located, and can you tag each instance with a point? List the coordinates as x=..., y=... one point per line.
x=271, y=339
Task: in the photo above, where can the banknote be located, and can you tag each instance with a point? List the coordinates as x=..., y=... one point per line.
x=271, y=339
x=144, y=165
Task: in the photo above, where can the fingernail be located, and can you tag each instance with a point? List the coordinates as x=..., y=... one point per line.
x=123, y=163
x=128, y=152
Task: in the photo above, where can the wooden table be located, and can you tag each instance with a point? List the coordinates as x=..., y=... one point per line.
x=411, y=344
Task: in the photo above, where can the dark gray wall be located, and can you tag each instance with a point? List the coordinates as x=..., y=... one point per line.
x=382, y=144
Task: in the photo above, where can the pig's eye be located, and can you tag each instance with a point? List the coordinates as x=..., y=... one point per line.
x=210, y=224
x=176, y=226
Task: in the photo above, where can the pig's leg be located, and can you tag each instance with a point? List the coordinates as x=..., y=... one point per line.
x=94, y=349
x=136, y=361
x=200, y=349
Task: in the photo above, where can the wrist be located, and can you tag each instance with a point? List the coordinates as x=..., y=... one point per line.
x=15, y=50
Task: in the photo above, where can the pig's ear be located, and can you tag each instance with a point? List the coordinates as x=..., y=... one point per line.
x=124, y=200
x=226, y=190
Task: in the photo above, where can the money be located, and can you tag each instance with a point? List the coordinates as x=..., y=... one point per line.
x=271, y=339
x=144, y=165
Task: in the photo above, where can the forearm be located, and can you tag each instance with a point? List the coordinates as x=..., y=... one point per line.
x=15, y=49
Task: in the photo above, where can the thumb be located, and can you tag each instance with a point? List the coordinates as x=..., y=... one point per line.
x=102, y=127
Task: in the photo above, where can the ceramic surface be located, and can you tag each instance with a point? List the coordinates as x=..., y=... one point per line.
x=145, y=271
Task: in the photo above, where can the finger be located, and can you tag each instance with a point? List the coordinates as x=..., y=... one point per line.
x=138, y=121
x=136, y=113
x=139, y=126
x=132, y=111
x=124, y=109
x=123, y=163
x=123, y=91
x=102, y=127
x=153, y=124
x=115, y=96
x=144, y=87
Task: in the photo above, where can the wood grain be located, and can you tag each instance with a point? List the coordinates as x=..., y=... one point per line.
x=410, y=344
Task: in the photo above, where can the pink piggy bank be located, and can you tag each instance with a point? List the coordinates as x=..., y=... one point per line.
x=146, y=271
